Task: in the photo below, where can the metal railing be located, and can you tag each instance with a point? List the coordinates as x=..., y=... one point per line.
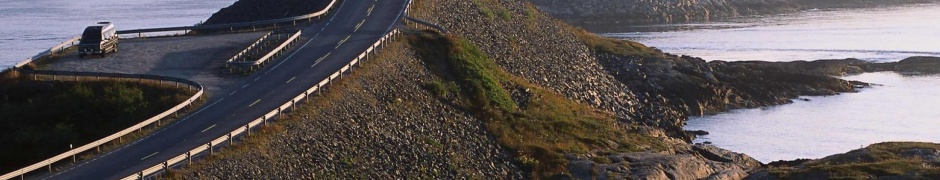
x=208, y=147
x=270, y=55
x=426, y=24
x=232, y=26
x=160, y=79
x=98, y=143
x=250, y=48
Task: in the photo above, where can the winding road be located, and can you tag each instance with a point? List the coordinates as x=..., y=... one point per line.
x=327, y=46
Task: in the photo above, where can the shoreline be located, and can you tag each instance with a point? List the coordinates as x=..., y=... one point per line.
x=590, y=14
x=712, y=127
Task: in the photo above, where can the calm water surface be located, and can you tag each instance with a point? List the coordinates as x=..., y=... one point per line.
x=902, y=108
x=905, y=108
x=31, y=26
x=884, y=34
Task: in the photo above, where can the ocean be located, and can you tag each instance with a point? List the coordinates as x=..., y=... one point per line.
x=874, y=34
x=900, y=108
x=32, y=26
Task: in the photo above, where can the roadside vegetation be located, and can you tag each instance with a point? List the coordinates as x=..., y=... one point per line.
x=537, y=125
x=891, y=160
x=42, y=118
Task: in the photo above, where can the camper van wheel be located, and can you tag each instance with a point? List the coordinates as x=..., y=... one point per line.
x=103, y=55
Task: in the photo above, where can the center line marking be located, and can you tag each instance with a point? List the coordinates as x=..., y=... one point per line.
x=210, y=127
x=359, y=25
x=233, y=92
x=148, y=156
x=256, y=102
x=246, y=85
x=291, y=79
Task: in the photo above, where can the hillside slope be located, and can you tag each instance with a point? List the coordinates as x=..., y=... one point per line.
x=513, y=93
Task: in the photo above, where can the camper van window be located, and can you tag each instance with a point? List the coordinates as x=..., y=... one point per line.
x=92, y=35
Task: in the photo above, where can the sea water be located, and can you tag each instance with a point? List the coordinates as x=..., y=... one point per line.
x=901, y=108
x=28, y=27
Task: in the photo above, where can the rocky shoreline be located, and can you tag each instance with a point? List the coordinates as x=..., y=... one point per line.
x=383, y=121
x=605, y=15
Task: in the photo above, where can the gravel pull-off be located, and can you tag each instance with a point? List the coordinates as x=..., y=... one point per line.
x=197, y=58
x=376, y=123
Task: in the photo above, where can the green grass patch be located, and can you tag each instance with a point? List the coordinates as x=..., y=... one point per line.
x=490, y=10
x=504, y=14
x=539, y=133
x=615, y=46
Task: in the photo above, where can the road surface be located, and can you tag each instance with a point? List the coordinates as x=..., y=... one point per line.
x=339, y=38
x=196, y=58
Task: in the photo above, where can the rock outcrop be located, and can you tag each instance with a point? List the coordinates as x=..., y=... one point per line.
x=688, y=162
x=257, y=10
x=698, y=87
x=891, y=160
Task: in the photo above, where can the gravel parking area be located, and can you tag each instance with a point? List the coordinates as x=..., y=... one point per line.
x=196, y=58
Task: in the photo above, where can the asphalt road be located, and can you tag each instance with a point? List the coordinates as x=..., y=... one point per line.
x=339, y=39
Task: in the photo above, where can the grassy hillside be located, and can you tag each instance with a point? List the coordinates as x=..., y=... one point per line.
x=539, y=126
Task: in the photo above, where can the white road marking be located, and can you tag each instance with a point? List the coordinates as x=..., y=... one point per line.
x=256, y=102
x=233, y=92
x=246, y=85
x=291, y=79
x=210, y=127
x=148, y=156
x=359, y=25
x=343, y=41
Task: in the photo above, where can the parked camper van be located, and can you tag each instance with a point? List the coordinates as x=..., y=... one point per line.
x=98, y=39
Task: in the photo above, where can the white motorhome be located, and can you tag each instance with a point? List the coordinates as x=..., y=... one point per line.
x=98, y=39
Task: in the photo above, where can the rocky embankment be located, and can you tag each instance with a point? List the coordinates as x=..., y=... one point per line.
x=384, y=121
x=377, y=123
x=598, y=13
x=257, y=10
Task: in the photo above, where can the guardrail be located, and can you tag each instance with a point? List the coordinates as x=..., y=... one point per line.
x=116, y=136
x=426, y=24
x=160, y=79
x=202, y=149
x=232, y=26
x=270, y=55
x=248, y=50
